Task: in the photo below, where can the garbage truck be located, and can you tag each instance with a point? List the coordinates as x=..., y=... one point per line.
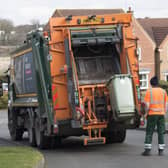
x=78, y=78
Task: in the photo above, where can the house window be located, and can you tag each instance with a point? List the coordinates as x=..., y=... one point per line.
x=166, y=76
x=144, y=82
x=139, y=54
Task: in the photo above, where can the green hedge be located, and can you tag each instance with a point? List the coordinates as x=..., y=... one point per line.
x=4, y=101
x=163, y=84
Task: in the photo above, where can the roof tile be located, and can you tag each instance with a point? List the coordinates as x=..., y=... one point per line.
x=157, y=28
x=81, y=12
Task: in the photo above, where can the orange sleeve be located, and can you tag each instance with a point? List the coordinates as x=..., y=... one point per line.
x=147, y=96
x=165, y=101
x=166, y=97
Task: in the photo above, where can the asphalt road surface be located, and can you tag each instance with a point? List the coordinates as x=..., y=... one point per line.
x=72, y=154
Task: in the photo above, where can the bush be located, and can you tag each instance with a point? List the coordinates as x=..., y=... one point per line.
x=163, y=84
x=4, y=101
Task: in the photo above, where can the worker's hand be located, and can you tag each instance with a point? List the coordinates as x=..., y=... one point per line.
x=143, y=108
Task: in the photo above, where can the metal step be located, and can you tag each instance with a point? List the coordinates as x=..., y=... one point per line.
x=94, y=141
x=94, y=131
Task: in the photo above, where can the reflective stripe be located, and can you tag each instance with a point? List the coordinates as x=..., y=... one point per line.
x=161, y=146
x=152, y=102
x=151, y=97
x=164, y=95
x=156, y=109
x=148, y=146
x=157, y=102
x=166, y=106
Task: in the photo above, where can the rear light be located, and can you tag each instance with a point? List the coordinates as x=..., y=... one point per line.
x=137, y=82
x=45, y=34
x=142, y=122
x=55, y=128
x=65, y=68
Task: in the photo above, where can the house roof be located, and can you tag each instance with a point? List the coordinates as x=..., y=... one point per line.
x=157, y=28
x=81, y=12
x=160, y=34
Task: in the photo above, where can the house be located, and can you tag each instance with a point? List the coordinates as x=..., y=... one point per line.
x=154, y=48
x=2, y=32
x=146, y=55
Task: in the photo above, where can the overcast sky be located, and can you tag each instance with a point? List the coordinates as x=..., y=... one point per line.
x=23, y=11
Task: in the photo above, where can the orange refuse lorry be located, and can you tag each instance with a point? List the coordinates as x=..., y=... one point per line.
x=78, y=78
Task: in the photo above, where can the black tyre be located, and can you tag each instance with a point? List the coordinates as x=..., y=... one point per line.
x=56, y=142
x=41, y=140
x=32, y=138
x=109, y=140
x=15, y=132
x=120, y=136
x=117, y=136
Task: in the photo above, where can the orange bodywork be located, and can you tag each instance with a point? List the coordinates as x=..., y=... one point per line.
x=59, y=30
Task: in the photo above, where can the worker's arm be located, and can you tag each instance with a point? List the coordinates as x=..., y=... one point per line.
x=166, y=102
x=147, y=102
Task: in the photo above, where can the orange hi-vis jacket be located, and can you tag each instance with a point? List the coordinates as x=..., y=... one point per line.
x=157, y=99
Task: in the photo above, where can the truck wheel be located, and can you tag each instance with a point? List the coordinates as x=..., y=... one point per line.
x=120, y=136
x=41, y=139
x=31, y=134
x=109, y=137
x=15, y=133
x=56, y=142
x=116, y=136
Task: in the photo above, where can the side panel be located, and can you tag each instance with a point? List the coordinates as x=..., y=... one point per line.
x=59, y=76
x=24, y=74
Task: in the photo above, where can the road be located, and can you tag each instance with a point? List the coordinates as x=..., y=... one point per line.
x=72, y=154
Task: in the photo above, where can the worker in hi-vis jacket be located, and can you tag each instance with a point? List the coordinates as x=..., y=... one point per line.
x=155, y=100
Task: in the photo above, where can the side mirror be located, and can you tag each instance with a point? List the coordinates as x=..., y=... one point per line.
x=1, y=88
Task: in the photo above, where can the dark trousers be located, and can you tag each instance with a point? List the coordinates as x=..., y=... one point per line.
x=152, y=122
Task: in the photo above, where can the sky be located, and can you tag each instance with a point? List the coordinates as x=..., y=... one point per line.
x=24, y=11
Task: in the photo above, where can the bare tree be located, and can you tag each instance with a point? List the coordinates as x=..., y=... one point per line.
x=6, y=26
x=35, y=23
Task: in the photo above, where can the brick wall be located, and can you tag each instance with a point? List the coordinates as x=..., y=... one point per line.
x=164, y=59
x=147, y=50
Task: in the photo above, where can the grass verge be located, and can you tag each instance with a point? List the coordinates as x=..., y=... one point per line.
x=4, y=101
x=19, y=157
